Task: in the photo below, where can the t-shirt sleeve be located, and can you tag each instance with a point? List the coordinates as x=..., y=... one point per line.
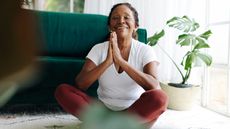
x=94, y=54
x=149, y=55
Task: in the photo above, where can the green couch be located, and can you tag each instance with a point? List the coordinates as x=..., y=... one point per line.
x=67, y=38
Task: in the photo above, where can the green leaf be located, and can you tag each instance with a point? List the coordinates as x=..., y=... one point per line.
x=201, y=44
x=206, y=34
x=183, y=60
x=185, y=24
x=189, y=60
x=207, y=59
x=185, y=39
x=152, y=41
x=172, y=20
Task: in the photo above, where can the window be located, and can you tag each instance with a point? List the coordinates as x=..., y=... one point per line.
x=217, y=88
x=56, y=5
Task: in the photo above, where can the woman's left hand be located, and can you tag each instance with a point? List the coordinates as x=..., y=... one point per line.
x=116, y=51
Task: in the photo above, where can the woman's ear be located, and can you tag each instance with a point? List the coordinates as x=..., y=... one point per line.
x=110, y=30
x=136, y=27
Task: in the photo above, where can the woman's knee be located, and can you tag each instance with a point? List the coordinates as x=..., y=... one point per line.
x=61, y=89
x=158, y=97
x=70, y=92
x=150, y=105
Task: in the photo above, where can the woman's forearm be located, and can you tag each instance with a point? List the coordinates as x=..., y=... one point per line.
x=86, y=78
x=143, y=79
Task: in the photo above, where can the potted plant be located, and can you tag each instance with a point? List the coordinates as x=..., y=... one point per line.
x=181, y=94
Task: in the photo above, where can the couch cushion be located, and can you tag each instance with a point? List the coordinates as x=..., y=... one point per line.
x=58, y=70
x=72, y=34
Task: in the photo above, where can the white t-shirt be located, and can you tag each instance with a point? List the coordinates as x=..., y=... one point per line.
x=117, y=90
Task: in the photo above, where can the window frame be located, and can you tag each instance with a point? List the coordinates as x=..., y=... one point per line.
x=36, y=5
x=205, y=93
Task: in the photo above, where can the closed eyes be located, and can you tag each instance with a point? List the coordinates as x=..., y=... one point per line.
x=119, y=17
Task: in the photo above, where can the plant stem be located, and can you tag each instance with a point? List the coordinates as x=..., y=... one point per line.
x=183, y=77
x=187, y=75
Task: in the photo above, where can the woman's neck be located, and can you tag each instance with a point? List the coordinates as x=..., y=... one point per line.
x=124, y=43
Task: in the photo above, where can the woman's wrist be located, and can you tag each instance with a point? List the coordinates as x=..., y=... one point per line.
x=123, y=63
x=108, y=62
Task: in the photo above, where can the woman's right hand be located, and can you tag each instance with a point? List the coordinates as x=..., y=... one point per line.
x=109, y=57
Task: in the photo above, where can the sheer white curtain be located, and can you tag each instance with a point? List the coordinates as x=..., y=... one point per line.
x=153, y=15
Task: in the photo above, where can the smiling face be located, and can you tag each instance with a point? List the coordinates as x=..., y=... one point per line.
x=122, y=21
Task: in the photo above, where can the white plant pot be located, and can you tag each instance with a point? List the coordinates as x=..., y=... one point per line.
x=181, y=98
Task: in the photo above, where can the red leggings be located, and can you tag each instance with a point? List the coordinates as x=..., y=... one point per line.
x=149, y=106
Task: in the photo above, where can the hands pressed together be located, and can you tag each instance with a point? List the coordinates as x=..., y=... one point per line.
x=114, y=55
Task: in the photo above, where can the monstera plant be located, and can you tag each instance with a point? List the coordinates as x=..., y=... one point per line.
x=194, y=42
x=181, y=94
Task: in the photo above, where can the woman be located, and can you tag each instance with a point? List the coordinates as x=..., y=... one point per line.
x=125, y=69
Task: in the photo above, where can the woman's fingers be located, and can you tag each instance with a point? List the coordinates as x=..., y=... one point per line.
x=109, y=57
x=115, y=50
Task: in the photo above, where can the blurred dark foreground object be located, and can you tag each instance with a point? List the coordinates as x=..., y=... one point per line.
x=17, y=47
x=97, y=116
